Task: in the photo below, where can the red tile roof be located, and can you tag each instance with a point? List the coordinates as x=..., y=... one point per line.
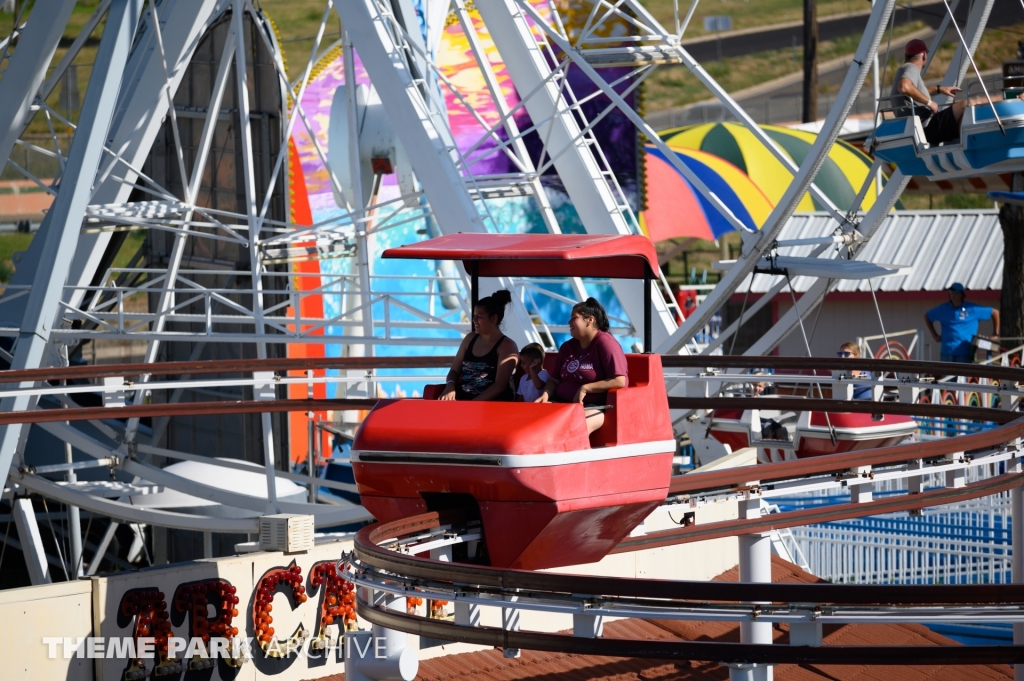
x=489, y=665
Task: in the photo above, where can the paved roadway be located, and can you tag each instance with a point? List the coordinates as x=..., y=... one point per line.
x=782, y=105
x=739, y=43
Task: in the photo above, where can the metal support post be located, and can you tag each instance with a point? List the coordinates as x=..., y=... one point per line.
x=805, y=633
x=1017, y=539
x=915, y=485
x=380, y=653
x=958, y=476
x=248, y=174
x=842, y=387
x=27, y=68
x=311, y=457
x=467, y=614
x=74, y=519
x=64, y=220
x=358, y=200
x=755, y=567
x=474, y=286
x=587, y=626
x=101, y=550
x=510, y=622
x=861, y=486
x=530, y=70
x=265, y=390
x=759, y=243
x=444, y=555
x=648, y=338
x=32, y=542
x=908, y=394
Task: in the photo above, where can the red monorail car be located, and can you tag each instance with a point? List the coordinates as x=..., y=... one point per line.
x=547, y=493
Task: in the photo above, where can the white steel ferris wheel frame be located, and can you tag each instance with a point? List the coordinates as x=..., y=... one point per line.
x=60, y=297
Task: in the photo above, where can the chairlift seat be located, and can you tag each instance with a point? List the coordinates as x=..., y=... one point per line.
x=983, y=149
x=829, y=268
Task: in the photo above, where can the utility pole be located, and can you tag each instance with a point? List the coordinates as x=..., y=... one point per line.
x=810, y=99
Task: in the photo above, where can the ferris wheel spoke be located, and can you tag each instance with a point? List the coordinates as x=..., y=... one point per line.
x=615, y=12
x=154, y=21
x=290, y=123
x=639, y=75
x=26, y=70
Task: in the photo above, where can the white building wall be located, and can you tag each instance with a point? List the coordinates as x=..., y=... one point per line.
x=49, y=610
x=846, y=320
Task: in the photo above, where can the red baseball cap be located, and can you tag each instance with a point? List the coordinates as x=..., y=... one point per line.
x=915, y=47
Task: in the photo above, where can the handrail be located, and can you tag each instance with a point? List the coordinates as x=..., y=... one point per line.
x=432, y=361
x=692, y=650
x=367, y=551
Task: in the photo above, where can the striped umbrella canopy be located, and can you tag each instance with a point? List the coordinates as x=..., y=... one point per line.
x=840, y=177
x=676, y=209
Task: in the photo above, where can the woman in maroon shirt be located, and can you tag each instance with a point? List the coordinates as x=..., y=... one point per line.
x=589, y=364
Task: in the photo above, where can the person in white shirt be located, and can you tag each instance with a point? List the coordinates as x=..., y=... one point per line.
x=531, y=385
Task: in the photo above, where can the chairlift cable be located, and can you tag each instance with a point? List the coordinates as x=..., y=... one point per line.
x=56, y=542
x=807, y=345
x=689, y=15
x=65, y=535
x=732, y=344
x=80, y=564
x=142, y=536
x=880, y=322
x=967, y=51
x=817, y=315
x=885, y=69
x=7, y=533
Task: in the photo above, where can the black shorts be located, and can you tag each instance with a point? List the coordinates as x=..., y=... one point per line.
x=942, y=127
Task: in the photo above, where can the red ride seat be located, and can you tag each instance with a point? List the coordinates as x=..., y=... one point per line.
x=546, y=498
x=627, y=405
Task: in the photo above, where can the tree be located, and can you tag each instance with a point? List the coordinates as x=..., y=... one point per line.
x=1011, y=299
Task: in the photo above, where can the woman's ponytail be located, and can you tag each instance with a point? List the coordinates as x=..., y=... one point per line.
x=591, y=308
x=494, y=304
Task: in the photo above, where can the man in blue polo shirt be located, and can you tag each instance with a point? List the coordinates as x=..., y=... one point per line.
x=959, y=321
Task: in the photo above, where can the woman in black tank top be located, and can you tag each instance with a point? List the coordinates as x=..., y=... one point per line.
x=481, y=372
x=486, y=375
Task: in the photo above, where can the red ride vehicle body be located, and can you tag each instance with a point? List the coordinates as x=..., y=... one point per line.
x=811, y=436
x=548, y=495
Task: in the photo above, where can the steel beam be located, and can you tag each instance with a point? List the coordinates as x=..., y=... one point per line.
x=884, y=202
x=758, y=244
x=1017, y=553
x=31, y=541
x=421, y=134
x=136, y=120
x=582, y=177
x=425, y=145
x=816, y=293
x=976, y=21
x=27, y=68
x=63, y=222
x=755, y=568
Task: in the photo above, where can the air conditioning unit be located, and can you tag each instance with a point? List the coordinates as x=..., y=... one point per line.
x=286, y=532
